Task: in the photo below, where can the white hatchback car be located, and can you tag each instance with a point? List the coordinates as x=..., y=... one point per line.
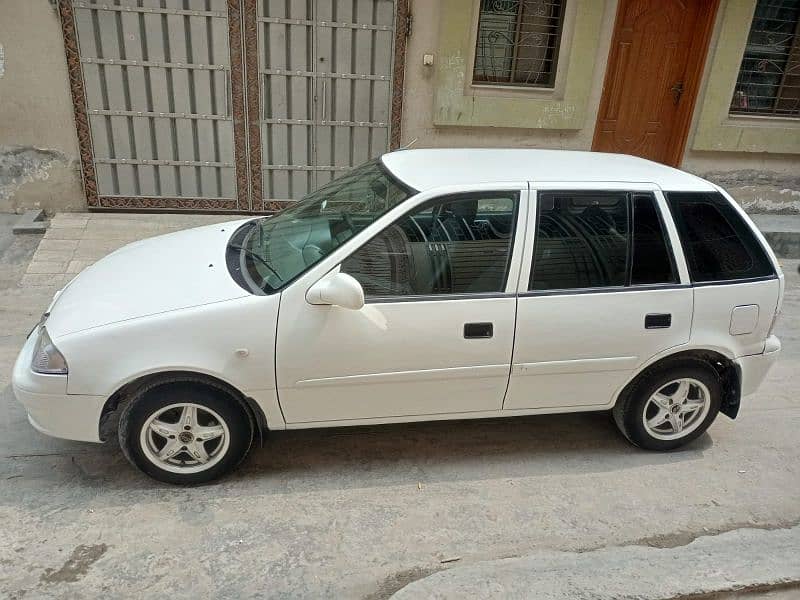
x=428, y=284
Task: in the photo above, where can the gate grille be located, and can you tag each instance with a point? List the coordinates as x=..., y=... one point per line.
x=157, y=85
x=174, y=97
x=325, y=75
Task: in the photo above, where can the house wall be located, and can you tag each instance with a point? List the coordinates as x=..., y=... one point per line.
x=758, y=161
x=39, y=164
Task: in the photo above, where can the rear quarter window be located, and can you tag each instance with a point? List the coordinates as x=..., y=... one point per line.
x=718, y=244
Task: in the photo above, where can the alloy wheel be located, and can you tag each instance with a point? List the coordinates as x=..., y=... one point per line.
x=676, y=409
x=185, y=438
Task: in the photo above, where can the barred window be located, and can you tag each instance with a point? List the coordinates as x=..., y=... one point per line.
x=518, y=42
x=769, y=77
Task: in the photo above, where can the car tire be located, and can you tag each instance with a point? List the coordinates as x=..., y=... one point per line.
x=670, y=406
x=185, y=433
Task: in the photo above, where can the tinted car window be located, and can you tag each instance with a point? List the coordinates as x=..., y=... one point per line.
x=581, y=241
x=652, y=259
x=719, y=245
x=589, y=240
x=454, y=245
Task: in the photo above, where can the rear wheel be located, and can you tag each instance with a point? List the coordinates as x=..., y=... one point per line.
x=185, y=433
x=669, y=407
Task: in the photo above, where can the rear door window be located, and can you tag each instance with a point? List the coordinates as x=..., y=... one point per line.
x=588, y=240
x=718, y=244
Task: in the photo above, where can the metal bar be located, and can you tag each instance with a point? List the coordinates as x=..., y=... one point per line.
x=166, y=115
x=311, y=23
x=160, y=11
x=324, y=99
x=517, y=31
x=161, y=162
x=153, y=63
x=374, y=124
x=304, y=168
x=315, y=52
x=299, y=73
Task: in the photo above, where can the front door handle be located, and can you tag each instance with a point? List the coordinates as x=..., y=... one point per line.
x=657, y=321
x=677, y=91
x=478, y=331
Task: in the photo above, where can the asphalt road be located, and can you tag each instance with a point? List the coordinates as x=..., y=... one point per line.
x=357, y=513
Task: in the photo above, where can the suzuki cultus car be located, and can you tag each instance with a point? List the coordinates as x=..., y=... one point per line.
x=425, y=285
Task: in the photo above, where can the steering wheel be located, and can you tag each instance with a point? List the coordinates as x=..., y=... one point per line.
x=349, y=222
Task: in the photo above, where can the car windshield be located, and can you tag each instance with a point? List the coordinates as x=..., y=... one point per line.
x=281, y=247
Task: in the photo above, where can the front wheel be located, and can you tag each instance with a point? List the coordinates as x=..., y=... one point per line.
x=669, y=407
x=185, y=433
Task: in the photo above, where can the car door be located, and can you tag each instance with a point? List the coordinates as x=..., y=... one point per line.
x=601, y=292
x=436, y=333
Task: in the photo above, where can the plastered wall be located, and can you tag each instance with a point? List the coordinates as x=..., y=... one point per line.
x=38, y=147
x=761, y=180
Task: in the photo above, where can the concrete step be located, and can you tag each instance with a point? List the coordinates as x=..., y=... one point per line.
x=782, y=233
x=32, y=221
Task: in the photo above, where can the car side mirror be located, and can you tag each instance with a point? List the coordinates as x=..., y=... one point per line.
x=340, y=289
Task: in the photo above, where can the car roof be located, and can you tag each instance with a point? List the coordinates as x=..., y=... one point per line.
x=432, y=168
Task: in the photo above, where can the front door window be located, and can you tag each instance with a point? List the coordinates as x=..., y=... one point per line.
x=454, y=245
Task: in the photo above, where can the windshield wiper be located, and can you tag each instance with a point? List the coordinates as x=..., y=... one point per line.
x=255, y=255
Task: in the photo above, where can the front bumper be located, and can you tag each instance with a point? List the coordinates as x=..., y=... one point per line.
x=50, y=409
x=754, y=368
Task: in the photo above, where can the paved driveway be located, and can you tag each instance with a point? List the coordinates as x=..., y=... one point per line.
x=356, y=513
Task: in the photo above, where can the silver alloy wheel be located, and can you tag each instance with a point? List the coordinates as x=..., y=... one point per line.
x=185, y=438
x=676, y=409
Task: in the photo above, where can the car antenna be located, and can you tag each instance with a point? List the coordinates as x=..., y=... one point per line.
x=409, y=144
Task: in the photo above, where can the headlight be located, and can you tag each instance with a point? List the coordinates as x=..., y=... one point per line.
x=46, y=357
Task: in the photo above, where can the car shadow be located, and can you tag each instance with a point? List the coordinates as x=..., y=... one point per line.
x=335, y=458
x=448, y=451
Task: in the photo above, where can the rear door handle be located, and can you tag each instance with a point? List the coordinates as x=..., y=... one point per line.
x=478, y=330
x=657, y=321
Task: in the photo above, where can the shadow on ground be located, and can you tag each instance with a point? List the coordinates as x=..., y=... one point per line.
x=416, y=454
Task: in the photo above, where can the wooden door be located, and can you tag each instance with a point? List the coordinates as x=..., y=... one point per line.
x=654, y=68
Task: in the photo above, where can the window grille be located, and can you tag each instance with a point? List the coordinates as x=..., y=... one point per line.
x=769, y=76
x=518, y=42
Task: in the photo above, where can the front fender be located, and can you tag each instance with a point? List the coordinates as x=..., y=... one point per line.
x=232, y=341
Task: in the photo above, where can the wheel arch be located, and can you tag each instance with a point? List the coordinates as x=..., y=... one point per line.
x=727, y=371
x=129, y=390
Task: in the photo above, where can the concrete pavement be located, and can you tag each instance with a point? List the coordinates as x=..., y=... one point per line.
x=73, y=241
x=744, y=559
x=362, y=512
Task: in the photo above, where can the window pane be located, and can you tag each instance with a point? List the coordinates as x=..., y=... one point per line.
x=285, y=245
x=717, y=243
x=518, y=42
x=453, y=246
x=652, y=259
x=581, y=241
x=769, y=76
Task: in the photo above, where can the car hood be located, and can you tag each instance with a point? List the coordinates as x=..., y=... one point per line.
x=165, y=273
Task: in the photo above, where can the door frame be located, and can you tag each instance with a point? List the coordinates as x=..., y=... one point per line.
x=698, y=53
x=243, y=46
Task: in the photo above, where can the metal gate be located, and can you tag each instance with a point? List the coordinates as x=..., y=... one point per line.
x=325, y=71
x=229, y=105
